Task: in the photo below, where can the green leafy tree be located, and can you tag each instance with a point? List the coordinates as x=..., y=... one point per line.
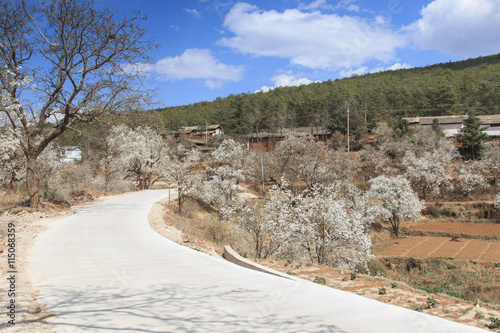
x=471, y=138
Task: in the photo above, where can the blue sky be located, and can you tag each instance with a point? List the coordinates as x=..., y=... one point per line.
x=213, y=48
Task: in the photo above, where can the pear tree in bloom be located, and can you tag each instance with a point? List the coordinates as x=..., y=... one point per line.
x=299, y=157
x=328, y=228
x=395, y=200
x=490, y=164
x=497, y=203
x=142, y=154
x=264, y=225
x=229, y=158
x=429, y=172
x=214, y=191
x=13, y=161
x=470, y=178
x=220, y=180
x=258, y=166
x=181, y=171
x=11, y=158
x=230, y=152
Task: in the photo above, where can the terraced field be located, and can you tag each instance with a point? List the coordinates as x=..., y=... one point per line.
x=468, y=230
x=473, y=249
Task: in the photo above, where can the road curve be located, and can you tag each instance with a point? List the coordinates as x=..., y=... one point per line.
x=105, y=270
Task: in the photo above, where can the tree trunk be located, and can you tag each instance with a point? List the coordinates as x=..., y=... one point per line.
x=31, y=181
x=179, y=200
x=395, y=225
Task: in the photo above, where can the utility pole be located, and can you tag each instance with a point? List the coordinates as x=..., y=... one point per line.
x=347, y=129
x=262, y=175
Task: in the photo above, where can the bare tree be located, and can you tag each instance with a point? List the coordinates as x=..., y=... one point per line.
x=81, y=62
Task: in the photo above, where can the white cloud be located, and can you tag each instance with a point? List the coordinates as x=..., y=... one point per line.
x=364, y=70
x=322, y=4
x=193, y=12
x=397, y=66
x=313, y=40
x=356, y=71
x=394, y=67
x=196, y=64
x=315, y=5
x=286, y=80
x=459, y=27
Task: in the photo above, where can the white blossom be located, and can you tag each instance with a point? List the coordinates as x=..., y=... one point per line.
x=429, y=171
x=395, y=200
x=469, y=177
x=12, y=158
x=329, y=229
x=142, y=153
x=490, y=164
x=264, y=224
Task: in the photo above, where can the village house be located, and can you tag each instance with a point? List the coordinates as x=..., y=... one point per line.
x=451, y=125
x=69, y=154
x=198, y=137
x=268, y=140
x=203, y=133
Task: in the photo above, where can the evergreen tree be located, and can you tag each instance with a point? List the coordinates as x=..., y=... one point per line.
x=437, y=129
x=471, y=138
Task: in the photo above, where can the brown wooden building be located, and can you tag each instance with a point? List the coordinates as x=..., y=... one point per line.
x=203, y=133
x=269, y=140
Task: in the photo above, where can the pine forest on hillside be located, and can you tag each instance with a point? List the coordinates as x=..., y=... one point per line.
x=470, y=86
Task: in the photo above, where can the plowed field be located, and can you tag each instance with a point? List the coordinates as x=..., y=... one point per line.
x=472, y=249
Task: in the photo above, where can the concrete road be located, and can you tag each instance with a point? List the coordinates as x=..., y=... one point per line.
x=105, y=270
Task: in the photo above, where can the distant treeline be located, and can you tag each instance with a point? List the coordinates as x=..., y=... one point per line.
x=469, y=86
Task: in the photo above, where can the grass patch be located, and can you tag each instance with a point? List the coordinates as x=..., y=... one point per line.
x=462, y=279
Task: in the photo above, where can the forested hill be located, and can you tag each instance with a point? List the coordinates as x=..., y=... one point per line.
x=470, y=86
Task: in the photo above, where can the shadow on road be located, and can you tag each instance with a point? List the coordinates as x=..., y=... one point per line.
x=175, y=308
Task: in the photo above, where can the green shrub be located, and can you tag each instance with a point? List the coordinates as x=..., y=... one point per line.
x=494, y=323
x=354, y=275
x=479, y=315
x=382, y=291
x=431, y=302
x=418, y=308
x=394, y=284
x=320, y=280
